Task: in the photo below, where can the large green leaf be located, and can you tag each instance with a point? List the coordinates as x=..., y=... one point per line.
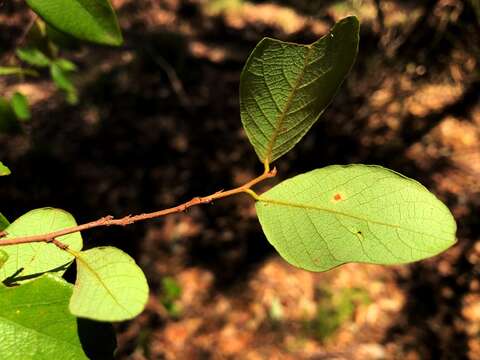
x=110, y=286
x=31, y=259
x=357, y=213
x=4, y=170
x=92, y=20
x=285, y=87
x=35, y=324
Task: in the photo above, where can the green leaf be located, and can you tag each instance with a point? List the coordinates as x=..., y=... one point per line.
x=3, y=257
x=35, y=323
x=61, y=79
x=4, y=170
x=14, y=70
x=20, y=106
x=285, y=87
x=33, y=56
x=32, y=259
x=3, y=222
x=110, y=286
x=8, y=120
x=66, y=65
x=91, y=20
x=356, y=213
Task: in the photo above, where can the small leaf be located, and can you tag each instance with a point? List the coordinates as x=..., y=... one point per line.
x=20, y=106
x=66, y=65
x=285, y=87
x=33, y=56
x=32, y=259
x=3, y=222
x=91, y=20
x=4, y=170
x=61, y=79
x=63, y=82
x=109, y=286
x=356, y=213
x=3, y=257
x=35, y=323
x=14, y=70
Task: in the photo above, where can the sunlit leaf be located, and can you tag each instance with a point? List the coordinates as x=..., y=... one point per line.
x=110, y=286
x=357, y=213
x=4, y=170
x=20, y=106
x=91, y=20
x=28, y=260
x=285, y=87
x=35, y=323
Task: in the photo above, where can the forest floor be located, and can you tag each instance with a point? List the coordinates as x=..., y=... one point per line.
x=158, y=123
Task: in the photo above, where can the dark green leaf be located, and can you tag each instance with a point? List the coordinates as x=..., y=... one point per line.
x=8, y=120
x=35, y=323
x=3, y=222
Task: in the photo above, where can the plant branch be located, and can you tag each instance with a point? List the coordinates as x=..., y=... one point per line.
x=130, y=219
x=19, y=42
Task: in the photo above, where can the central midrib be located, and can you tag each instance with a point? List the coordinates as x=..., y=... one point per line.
x=320, y=208
x=283, y=114
x=102, y=283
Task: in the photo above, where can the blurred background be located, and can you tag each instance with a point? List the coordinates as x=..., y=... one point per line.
x=157, y=122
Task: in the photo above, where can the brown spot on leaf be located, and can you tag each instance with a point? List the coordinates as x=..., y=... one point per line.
x=337, y=197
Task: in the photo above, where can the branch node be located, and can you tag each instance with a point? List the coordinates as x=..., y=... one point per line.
x=106, y=219
x=126, y=220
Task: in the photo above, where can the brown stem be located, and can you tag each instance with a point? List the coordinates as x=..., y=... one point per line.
x=130, y=219
x=22, y=38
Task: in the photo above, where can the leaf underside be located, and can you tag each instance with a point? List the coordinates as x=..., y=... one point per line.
x=285, y=87
x=110, y=286
x=32, y=259
x=356, y=213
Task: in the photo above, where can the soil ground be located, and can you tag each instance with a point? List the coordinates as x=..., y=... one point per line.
x=158, y=123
